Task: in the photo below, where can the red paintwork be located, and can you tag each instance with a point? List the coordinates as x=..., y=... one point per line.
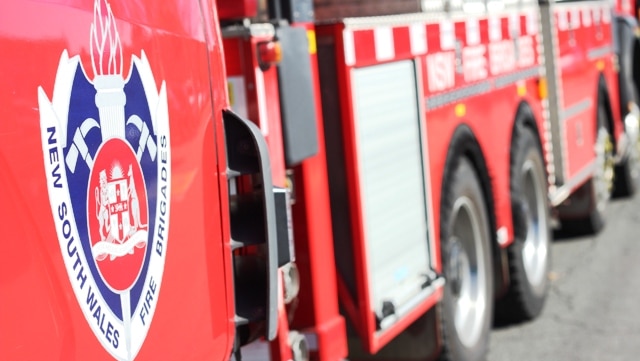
x=492, y=126
x=362, y=317
x=40, y=315
x=235, y=9
x=318, y=300
x=317, y=308
x=262, y=94
x=579, y=78
x=360, y=314
x=626, y=7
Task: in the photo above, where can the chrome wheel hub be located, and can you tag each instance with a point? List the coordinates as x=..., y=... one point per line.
x=467, y=274
x=536, y=244
x=632, y=130
x=604, y=168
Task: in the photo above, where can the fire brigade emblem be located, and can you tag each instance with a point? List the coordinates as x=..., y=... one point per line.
x=105, y=140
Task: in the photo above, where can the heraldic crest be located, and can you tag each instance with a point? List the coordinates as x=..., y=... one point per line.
x=106, y=146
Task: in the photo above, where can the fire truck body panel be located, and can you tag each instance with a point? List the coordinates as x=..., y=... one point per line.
x=580, y=68
x=156, y=161
x=388, y=41
x=257, y=96
x=317, y=308
x=627, y=45
x=438, y=71
x=499, y=56
x=187, y=306
x=358, y=232
x=583, y=42
x=626, y=7
x=459, y=62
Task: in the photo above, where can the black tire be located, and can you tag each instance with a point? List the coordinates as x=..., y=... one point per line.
x=529, y=255
x=596, y=192
x=628, y=171
x=626, y=178
x=467, y=264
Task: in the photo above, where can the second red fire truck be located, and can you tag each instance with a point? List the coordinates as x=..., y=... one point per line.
x=297, y=179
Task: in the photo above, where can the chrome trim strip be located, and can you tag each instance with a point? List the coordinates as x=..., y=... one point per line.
x=597, y=53
x=508, y=79
x=575, y=109
x=563, y=192
x=439, y=100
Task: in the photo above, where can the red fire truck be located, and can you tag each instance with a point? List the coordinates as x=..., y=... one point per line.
x=297, y=179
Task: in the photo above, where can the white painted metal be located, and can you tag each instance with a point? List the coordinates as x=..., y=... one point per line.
x=392, y=181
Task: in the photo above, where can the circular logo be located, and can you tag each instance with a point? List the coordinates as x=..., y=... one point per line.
x=117, y=215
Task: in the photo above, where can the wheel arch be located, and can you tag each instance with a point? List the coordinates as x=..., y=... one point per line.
x=636, y=65
x=465, y=144
x=524, y=118
x=627, y=46
x=604, y=100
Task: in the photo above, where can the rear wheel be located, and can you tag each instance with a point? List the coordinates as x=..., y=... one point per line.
x=597, y=191
x=603, y=178
x=467, y=306
x=627, y=172
x=529, y=256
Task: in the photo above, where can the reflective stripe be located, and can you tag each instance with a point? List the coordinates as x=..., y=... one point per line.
x=452, y=96
x=258, y=30
x=418, y=38
x=439, y=100
x=384, y=45
x=576, y=109
x=597, y=53
x=349, y=47
x=508, y=79
x=376, y=39
x=564, y=191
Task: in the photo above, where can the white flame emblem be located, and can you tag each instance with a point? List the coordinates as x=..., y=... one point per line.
x=105, y=41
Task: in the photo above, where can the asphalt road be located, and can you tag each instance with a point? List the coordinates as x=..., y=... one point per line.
x=593, y=308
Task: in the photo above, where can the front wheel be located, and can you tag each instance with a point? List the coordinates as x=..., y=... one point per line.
x=467, y=305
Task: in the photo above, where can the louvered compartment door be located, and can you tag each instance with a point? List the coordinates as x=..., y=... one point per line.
x=392, y=184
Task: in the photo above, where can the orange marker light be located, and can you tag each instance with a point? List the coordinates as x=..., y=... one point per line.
x=269, y=53
x=543, y=92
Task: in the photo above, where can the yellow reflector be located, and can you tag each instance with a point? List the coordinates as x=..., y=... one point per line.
x=522, y=90
x=542, y=88
x=311, y=35
x=600, y=64
x=461, y=110
x=230, y=89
